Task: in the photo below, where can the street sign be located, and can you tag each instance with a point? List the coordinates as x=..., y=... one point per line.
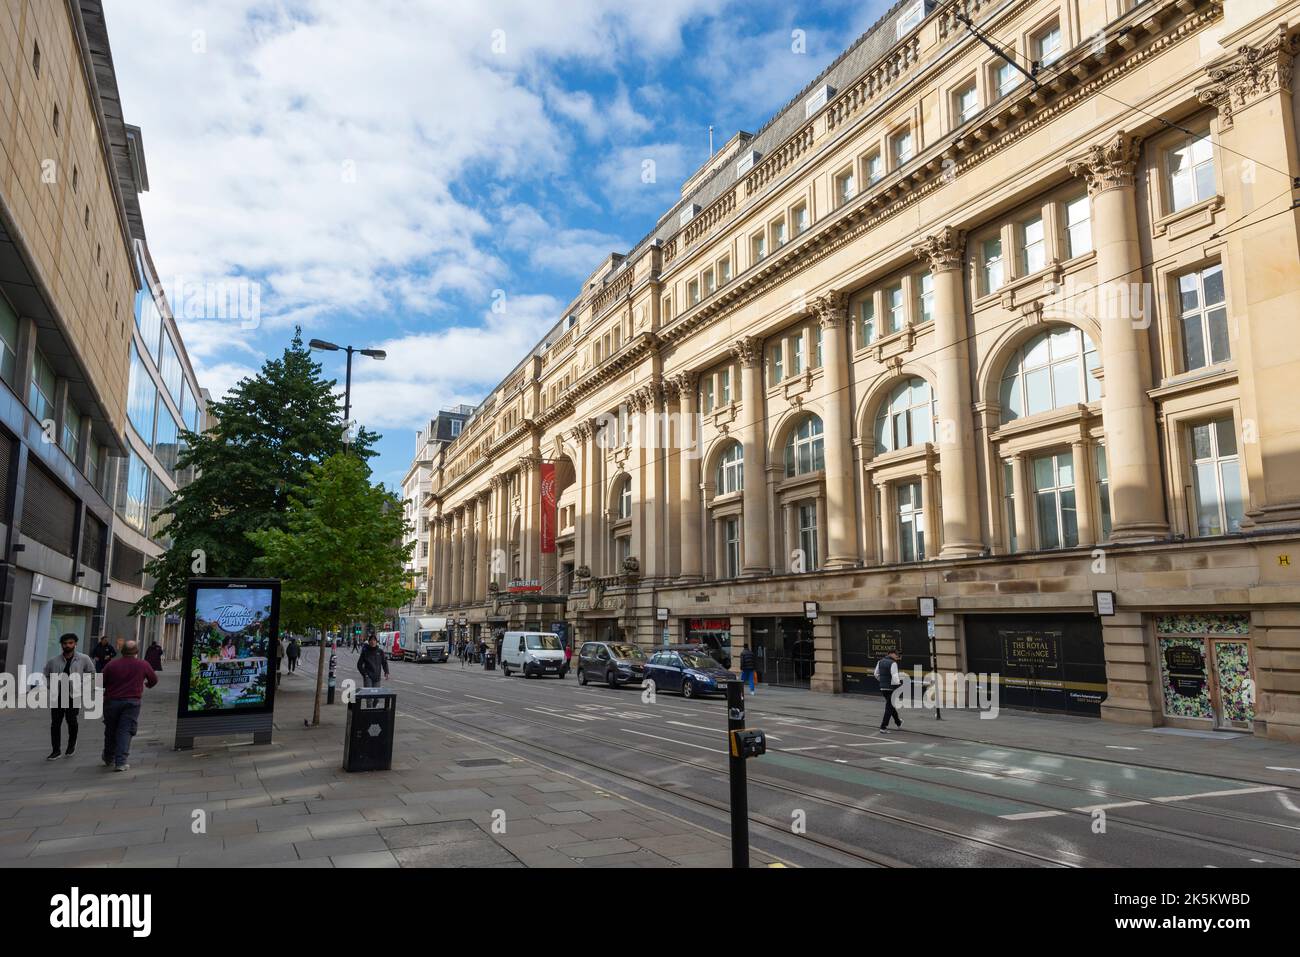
x=1103, y=603
x=810, y=609
x=661, y=614
x=925, y=606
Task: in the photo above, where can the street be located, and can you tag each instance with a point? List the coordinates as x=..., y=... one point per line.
x=836, y=792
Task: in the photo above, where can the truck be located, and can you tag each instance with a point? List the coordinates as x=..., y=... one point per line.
x=424, y=639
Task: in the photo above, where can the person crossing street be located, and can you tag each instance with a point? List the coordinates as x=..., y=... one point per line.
x=371, y=663
x=887, y=676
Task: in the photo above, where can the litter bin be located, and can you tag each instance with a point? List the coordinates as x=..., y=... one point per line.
x=489, y=662
x=368, y=745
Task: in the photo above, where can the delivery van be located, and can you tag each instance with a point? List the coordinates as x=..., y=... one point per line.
x=533, y=653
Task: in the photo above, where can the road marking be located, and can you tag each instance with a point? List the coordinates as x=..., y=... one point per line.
x=815, y=747
x=1215, y=794
x=1091, y=808
x=488, y=700
x=551, y=714
x=688, y=744
x=1120, y=747
x=430, y=695
x=1273, y=768
x=1030, y=815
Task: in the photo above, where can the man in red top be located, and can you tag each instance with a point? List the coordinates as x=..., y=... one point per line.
x=125, y=679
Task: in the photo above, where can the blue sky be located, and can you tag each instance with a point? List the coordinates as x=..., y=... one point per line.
x=380, y=169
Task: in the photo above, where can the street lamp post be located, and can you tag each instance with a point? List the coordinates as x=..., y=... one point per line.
x=323, y=346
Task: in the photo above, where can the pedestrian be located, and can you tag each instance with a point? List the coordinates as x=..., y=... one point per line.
x=370, y=663
x=103, y=653
x=71, y=663
x=482, y=651
x=887, y=676
x=154, y=655
x=747, y=668
x=124, y=682
x=294, y=652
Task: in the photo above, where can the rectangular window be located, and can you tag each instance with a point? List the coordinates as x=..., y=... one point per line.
x=1204, y=318
x=1190, y=172
x=71, y=438
x=147, y=317
x=901, y=147
x=1009, y=502
x=991, y=260
x=777, y=230
x=1033, y=250
x=1058, y=522
x=966, y=103
x=706, y=394
x=724, y=270
x=693, y=291
x=867, y=321
x=796, y=354
x=897, y=307
x=94, y=465
x=925, y=297
x=758, y=247
x=724, y=387
x=1047, y=45
x=875, y=168
x=817, y=347
x=665, y=310
x=1006, y=78
x=731, y=546
x=1103, y=489
x=911, y=523
x=845, y=189
x=169, y=367
x=8, y=342
x=808, y=535
x=40, y=398
x=799, y=218
x=134, y=496
x=1216, y=477
x=778, y=363
x=1078, y=227
x=165, y=445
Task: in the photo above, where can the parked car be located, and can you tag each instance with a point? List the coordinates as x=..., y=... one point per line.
x=689, y=672
x=614, y=662
x=533, y=653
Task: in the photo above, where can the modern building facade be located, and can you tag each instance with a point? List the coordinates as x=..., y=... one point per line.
x=71, y=251
x=1015, y=334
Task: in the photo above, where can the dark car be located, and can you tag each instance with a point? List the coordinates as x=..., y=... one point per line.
x=712, y=649
x=689, y=672
x=614, y=662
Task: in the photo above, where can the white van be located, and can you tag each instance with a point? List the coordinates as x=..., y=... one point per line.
x=533, y=653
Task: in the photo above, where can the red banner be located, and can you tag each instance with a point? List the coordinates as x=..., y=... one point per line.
x=548, y=508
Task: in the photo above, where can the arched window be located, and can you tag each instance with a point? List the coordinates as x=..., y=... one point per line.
x=731, y=474
x=1050, y=371
x=625, y=499
x=805, y=449
x=906, y=417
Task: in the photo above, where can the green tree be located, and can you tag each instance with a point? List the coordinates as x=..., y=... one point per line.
x=263, y=439
x=339, y=555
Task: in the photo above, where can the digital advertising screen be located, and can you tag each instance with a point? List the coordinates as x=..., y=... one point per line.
x=231, y=631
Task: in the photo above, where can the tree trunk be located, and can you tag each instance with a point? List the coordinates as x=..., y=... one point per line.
x=320, y=678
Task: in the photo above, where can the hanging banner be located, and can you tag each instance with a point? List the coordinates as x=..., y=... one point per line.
x=548, y=508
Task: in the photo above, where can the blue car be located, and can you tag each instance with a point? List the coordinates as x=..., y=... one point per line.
x=690, y=673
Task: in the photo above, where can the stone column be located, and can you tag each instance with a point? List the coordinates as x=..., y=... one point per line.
x=530, y=490
x=754, y=439
x=580, y=434
x=1083, y=493
x=840, y=516
x=689, y=462
x=469, y=542
x=929, y=523
x=944, y=252
x=1023, y=507
x=484, y=558
x=1137, y=500
x=888, y=523
x=436, y=560
x=791, y=535
x=453, y=573
x=1252, y=90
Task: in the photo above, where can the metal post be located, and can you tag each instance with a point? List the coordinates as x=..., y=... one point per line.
x=329, y=699
x=347, y=392
x=739, y=788
x=934, y=667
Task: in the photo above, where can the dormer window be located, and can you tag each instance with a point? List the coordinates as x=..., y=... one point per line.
x=910, y=18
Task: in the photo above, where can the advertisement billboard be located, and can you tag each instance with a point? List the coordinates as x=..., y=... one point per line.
x=228, y=657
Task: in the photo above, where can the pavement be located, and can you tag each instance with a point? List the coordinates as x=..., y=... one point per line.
x=449, y=800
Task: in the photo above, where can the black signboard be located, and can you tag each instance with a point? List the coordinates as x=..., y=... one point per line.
x=1186, y=668
x=1046, y=662
x=865, y=639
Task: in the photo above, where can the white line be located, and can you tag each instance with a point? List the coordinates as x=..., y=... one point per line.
x=1107, y=807
x=697, y=727
x=815, y=747
x=1120, y=747
x=553, y=715
x=1030, y=815
x=429, y=695
x=1215, y=794
x=488, y=700
x=674, y=741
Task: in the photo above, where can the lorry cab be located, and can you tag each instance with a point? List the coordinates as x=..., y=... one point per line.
x=533, y=653
x=424, y=639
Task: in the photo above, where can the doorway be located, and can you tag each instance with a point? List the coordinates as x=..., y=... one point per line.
x=783, y=649
x=1234, y=685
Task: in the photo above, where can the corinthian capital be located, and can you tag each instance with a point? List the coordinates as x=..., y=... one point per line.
x=529, y=462
x=1252, y=73
x=581, y=432
x=831, y=309
x=749, y=350
x=942, y=250
x=1110, y=165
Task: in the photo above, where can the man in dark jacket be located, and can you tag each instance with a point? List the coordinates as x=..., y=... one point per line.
x=372, y=663
x=103, y=653
x=124, y=682
x=747, y=668
x=294, y=652
x=887, y=676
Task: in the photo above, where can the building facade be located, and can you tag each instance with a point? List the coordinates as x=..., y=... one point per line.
x=429, y=443
x=72, y=264
x=1010, y=332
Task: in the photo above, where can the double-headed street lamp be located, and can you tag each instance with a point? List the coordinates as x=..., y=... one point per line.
x=323, y=346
